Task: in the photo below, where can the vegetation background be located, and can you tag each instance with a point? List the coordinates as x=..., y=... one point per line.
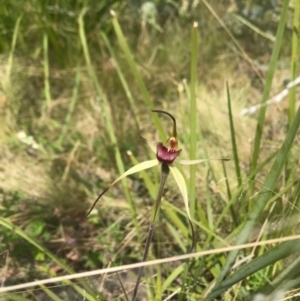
x=78, y=82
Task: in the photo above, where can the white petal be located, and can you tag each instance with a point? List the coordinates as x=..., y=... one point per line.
x=182, y=186
x=141, y=166
x=192, y=162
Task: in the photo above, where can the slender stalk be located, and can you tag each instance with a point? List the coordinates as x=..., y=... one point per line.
x=164, y=174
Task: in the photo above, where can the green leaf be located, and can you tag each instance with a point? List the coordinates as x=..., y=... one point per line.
x=233, y=141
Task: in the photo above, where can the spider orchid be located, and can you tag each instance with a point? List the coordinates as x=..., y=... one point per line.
x=167, y=157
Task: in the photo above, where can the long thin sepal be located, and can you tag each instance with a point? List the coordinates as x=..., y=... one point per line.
x=182, y=186
x=192, y=162
x=183, y=189
x=141, y=166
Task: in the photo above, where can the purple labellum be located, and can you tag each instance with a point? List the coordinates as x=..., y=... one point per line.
x=164, y=155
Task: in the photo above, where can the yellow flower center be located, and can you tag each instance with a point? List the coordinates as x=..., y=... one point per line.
x=172, y=144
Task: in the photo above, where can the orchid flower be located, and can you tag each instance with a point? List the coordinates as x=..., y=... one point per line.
x=166, y=156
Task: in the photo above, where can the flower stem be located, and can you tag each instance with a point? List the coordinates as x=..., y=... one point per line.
x=164, y=174
x=165, y=170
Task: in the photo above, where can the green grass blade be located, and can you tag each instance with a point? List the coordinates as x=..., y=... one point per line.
x=124, y=83
x=14, y=297
x=158, y=284
x=71, y=108
x=288, y=272
x=176, y=220
x=50, y=294
x=267, y=87
x=120, y=163
x=193, y=116
x=237, y=194
x=294, y=61
x=173, y=276
x=279, y=252
x=46, y=70
x=232, y=211
x=175, y=233
x=197, y=223
x=122, y=287
x=209, y=207
x=270, y=183
x=133, y=66
x=264, y=34
x=289, y=285
x=233, y=141
x=235, y=157
x=105, y=106
x=12, y=50
x=199, y=212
